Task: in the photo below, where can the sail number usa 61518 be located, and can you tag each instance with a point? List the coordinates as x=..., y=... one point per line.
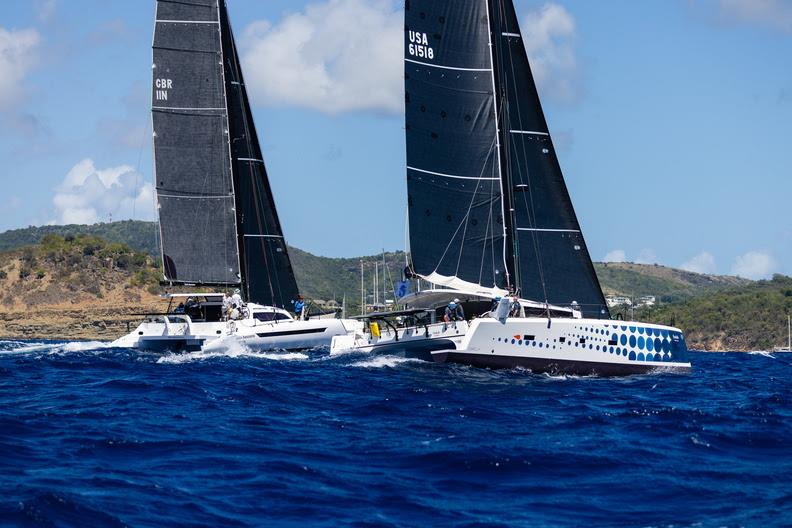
x=419, y=45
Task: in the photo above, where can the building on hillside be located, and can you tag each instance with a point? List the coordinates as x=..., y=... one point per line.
x=646, y=301
x=618, y=300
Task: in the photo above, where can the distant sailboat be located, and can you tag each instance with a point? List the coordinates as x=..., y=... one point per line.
x=787, y=348
x=218, y=223
x=490, y=216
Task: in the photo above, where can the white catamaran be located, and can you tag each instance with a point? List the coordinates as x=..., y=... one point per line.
x=218, y=224
x=490, y=215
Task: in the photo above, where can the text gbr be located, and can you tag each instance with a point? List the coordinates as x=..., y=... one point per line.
x=161, y=88
x=419, y=45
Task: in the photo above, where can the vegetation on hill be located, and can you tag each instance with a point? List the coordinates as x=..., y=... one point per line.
x=69, y=268
x=138, y=235
x=747, y=317
x=667, y=284
x=72, y=264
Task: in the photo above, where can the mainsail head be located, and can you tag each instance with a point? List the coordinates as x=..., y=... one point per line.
x=487, y=199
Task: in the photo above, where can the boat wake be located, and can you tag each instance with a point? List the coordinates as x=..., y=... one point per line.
x=51, y=348
x=386, y=362
x=228, y=348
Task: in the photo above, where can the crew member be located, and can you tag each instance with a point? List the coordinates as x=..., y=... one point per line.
x=299, y=307
x=454, y=312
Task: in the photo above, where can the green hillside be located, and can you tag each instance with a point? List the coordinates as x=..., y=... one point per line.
x=748, y=317
x=667, y=284
x=140, y=236
x=331, y=278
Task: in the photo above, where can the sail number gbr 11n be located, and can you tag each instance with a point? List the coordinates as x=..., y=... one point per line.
x=419, y=45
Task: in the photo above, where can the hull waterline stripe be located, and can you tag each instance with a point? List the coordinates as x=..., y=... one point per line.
x=293, y=332
x=448, y=67
x=512, y=35
x=529, y=132
x=450, y=175
x=548, y=230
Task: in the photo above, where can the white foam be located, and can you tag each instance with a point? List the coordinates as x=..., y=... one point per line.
x=386, y=361
x=229, y=347
x=57, y=348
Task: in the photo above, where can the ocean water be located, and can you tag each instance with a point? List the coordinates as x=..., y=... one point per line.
x=91, y=436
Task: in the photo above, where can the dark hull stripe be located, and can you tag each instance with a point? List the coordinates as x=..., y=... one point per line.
x=546, y=365
x=293, y=332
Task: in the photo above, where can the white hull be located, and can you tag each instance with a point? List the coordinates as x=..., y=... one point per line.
x=412, y=341
x=570, y=346
x=161, y=336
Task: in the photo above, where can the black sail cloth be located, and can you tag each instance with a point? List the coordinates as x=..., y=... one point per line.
x=499, y=214
x=453, y=183
x=217, y=216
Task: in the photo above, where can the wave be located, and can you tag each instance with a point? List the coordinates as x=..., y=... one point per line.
x=386, y=361
x=228, y=348
x=21, y=347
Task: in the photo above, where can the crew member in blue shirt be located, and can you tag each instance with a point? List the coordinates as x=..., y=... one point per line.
x=454, y=311
x=299, y=306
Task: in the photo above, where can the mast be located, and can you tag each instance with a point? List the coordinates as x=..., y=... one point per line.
x=506, y=210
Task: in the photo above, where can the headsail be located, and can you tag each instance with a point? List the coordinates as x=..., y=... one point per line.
x=267, y=274
x=487, y=200
x=217, y=216
x=552, y=261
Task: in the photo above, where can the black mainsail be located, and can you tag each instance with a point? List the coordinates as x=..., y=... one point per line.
x=218, y=222
x=487, y=199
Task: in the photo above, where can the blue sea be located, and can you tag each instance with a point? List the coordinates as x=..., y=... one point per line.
x=94, y=437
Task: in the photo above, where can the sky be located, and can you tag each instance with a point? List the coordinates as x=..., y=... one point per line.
x=672, y=120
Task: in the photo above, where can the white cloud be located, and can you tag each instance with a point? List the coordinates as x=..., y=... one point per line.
x=88, y=195
x=550, y=35
x=646, y=256
x=617, y=255
x=316, y=59
x=770, y=13
x=335, y=56
x=17, y=58
x=754, y=265
x=704, y=262
x=45, y=9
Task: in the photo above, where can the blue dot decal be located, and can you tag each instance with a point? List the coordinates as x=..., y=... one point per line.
x=624, y=328
x=614, y=337
x=512, y=341
x=641, y=342
x=623, y=340
x=540, y=345
x=649, y=345
x=632, y=329
x=650, y=357
x=640, y=330
x=632, y=341
x=665, y=333
x=641, y=357
x=658, y=344
x=649, y=332
x=632, y=356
